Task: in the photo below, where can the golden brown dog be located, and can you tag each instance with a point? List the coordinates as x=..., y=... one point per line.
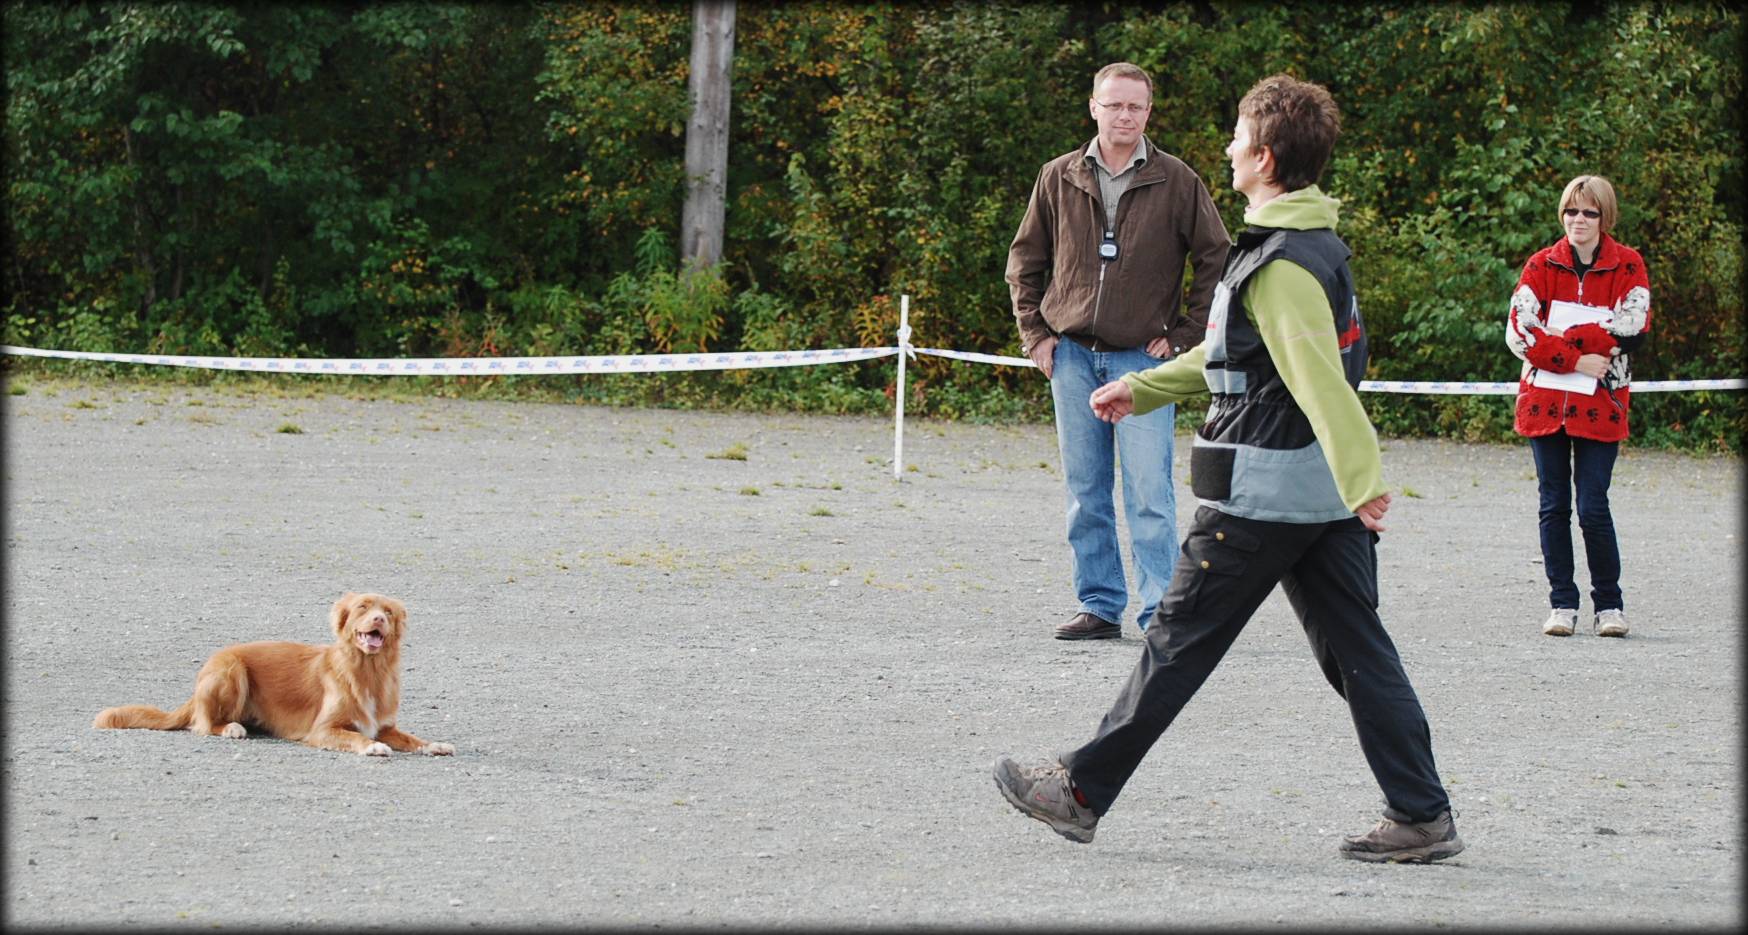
x=338, y=697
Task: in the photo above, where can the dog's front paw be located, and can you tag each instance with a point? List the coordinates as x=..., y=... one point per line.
x=438, y=749
x=234, y=731
x=376, y=748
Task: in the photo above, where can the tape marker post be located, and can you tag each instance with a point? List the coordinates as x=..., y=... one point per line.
x=904, y=350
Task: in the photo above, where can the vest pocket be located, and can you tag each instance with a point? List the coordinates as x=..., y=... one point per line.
x=1211, y=472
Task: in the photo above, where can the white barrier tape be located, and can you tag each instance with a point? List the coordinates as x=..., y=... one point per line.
x=978, y=358
x=1455, y=388
x=744, y=360
x=1403, y=386
x=1510, y=389
x=485, y=366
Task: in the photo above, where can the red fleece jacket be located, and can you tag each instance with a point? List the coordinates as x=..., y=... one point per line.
x=1616, y=281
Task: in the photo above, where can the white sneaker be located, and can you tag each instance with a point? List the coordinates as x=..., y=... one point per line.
x=1561, y=622
x=1611, y=622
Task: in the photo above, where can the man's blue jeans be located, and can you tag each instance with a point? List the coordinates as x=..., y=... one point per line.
x=1562, y=463
x=1091, y=451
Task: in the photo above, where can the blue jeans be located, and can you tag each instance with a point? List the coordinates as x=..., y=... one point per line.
x=1091, y=451
x=1563, y=462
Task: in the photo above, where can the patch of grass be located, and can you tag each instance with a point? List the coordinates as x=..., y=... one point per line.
x=201, y=418
x=289, y=428
x=1408, y=491
x=820, y=511
x=661, y=557
x=749, y=491
x=82, y=404
x=17, y=389
x=734, y=452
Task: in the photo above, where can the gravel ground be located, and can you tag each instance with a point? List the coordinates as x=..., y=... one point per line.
x=695, y=690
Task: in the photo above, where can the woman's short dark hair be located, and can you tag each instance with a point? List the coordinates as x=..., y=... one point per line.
x=1298, y=121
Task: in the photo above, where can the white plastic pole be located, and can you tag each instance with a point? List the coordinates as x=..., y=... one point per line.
x=898, y=424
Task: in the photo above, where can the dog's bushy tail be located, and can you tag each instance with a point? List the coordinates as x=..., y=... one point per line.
x=146, y=716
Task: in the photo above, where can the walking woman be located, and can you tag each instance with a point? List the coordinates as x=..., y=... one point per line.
x=1582, y=306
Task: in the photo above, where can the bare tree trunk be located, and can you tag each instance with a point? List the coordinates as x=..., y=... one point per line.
x=707, y=132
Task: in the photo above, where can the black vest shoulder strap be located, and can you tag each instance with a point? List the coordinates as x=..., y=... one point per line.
x=1325, y=256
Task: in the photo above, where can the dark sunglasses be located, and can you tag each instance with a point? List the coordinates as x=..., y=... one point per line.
x=1574, y=212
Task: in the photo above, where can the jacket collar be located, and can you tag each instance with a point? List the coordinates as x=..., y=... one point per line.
x=1608, y=255
x=1080, y=172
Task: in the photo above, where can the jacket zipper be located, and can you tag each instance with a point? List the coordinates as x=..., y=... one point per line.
x=1099, y=298
x=1099, y=294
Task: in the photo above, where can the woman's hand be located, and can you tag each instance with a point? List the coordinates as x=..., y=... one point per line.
x=1372, y=512
x=1113, y=401
x=1592, y=365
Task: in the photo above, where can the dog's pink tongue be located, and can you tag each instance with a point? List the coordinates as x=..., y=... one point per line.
x=372, y=640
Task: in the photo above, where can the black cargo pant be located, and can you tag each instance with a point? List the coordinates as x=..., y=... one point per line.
x=1228, y=567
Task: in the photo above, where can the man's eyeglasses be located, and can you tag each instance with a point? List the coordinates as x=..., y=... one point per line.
x=1587, y=212
x=1133, y=110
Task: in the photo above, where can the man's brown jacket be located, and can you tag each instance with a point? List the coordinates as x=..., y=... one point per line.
x=1164, y=219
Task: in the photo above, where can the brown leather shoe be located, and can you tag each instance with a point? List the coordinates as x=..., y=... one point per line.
x=1086, y=626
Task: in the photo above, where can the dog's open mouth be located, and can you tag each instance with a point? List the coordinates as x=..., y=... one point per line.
x=369, y=640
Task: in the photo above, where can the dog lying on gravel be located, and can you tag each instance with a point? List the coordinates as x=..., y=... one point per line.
x=342, y=696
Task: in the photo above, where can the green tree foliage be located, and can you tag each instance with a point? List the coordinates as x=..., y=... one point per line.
x=365, y=179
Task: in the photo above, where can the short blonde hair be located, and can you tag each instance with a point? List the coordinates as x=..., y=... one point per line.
x=1122, y=70
x=1594, y=188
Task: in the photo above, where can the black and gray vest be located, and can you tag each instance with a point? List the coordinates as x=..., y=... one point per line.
x=1256, y=455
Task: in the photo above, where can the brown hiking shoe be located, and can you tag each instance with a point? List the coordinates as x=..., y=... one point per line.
x=1043, y=792
x=1401, y=842
x=1088, y=626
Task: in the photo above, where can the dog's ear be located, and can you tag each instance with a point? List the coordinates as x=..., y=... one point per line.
x=399, y=611
x=337, y=616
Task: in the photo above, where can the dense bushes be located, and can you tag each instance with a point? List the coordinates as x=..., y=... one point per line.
x=416, y=179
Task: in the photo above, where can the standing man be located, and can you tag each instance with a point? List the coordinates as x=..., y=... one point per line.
x=1096, y=272
x=1287, y=471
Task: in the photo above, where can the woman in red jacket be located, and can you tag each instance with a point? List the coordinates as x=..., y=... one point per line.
x=1580, y=308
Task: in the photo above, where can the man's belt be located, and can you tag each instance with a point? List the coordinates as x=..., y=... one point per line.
x=1094, y=344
